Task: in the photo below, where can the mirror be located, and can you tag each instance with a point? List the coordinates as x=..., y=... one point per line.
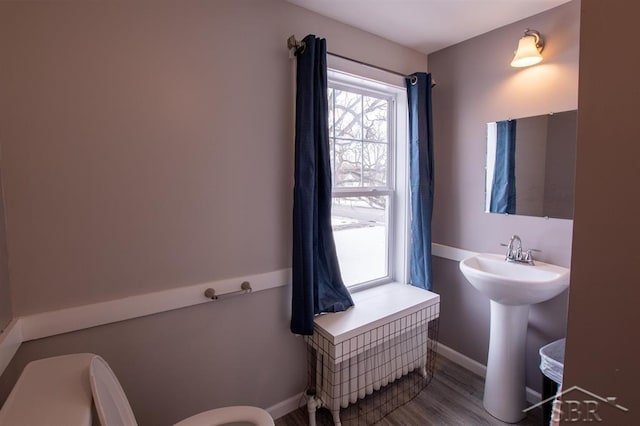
x=530, y=167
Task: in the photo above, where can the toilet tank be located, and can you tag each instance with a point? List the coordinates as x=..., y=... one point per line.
x=51, y=391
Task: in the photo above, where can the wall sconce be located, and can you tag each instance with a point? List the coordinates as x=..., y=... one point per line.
x=529, y=48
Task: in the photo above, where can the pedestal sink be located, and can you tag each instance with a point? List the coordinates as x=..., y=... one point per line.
x=512, y=288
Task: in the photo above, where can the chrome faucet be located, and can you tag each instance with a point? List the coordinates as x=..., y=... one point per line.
x=515, y=253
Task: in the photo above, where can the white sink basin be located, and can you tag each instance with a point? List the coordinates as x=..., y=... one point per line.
x=514, y=283
x=512, y=287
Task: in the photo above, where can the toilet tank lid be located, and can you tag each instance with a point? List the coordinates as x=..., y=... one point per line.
x=51, y=391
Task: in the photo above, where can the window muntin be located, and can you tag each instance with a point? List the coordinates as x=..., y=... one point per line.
x=359, y=137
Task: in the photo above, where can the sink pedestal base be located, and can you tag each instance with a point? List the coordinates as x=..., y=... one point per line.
x=504, y=388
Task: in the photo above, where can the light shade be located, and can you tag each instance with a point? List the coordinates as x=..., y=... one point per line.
x=529, y=48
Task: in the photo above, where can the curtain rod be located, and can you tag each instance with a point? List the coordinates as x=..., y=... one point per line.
x=292, y=43
x=413, y=78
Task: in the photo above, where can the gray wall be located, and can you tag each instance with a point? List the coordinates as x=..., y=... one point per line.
x=476, y=85
x=5, y=290
x=146, y=146
x=560, y=177
x=603, y=348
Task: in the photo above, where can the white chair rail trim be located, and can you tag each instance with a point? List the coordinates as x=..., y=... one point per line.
x=10, y=340
x=451, y=253
x=51, y=323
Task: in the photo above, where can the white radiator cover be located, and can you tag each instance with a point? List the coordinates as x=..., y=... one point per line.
x=382, y=338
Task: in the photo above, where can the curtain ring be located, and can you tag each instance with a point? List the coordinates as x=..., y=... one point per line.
x=413, y=79
x=300, y=50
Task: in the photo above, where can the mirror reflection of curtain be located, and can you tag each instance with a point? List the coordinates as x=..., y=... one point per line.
x=503, y=190
x=317, y=285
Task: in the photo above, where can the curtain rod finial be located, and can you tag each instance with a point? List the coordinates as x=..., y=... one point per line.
x=297, y=45
x=292, y=43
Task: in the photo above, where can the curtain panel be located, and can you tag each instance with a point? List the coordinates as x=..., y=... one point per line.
x=317, y=283
x=421, y=177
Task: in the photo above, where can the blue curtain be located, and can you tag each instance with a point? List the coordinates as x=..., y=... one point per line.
x=317, y=283
x=421, y=177
x=503, y=191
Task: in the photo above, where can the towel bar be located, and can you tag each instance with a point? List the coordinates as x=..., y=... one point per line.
x=245, y=288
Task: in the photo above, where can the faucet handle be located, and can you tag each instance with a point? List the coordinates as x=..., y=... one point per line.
x=528, y=257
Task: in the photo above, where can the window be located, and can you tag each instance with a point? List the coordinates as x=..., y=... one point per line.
x=368, y=179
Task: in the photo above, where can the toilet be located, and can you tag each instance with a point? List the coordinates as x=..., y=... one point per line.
x=60, y=391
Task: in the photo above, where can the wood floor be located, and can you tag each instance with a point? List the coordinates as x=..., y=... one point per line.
x=454, y=397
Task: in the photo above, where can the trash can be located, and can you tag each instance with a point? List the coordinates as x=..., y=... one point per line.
x=551, y=366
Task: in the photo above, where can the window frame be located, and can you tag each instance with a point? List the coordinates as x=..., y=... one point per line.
x=397, y=184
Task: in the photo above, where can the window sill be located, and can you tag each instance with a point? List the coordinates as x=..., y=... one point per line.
x=375, y=307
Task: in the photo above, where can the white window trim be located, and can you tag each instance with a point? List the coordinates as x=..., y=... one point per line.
x=492, y=141
x=398, y=268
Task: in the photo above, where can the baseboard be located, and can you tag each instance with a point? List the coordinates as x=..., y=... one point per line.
x=533, y=397
x=285, y=407
x=462, y=360
x=480, y=369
